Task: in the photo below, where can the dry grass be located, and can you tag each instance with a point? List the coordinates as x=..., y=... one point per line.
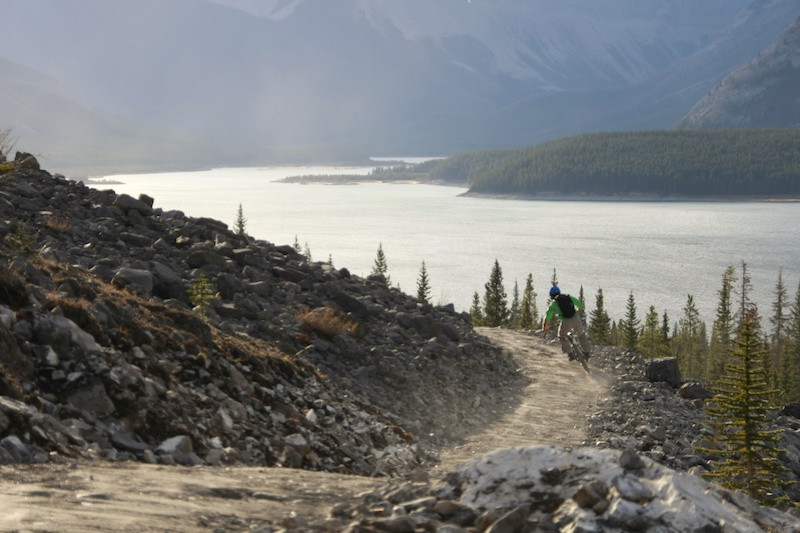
x=326, y=322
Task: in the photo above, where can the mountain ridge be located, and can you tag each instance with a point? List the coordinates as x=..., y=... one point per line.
x=761, y=93
x=359, y=78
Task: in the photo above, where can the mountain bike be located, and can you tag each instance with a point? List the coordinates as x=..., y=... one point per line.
x=578, y=352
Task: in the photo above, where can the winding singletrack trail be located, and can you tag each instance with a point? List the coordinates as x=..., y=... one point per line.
x=553, y=407
x=550, y=408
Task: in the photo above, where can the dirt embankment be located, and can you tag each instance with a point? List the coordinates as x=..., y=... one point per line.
x=555, y=402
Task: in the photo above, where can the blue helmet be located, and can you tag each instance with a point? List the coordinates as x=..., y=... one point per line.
x=554, y=291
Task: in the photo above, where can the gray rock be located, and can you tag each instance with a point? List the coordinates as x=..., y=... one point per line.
x=91, y=398
x=664, y=371
x=137, y=280
x=204, y=258
x=129, y=204
x=18, y=450
x=694, y=391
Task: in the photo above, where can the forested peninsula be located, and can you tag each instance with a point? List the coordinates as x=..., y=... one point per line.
x=666, y=163
x=733, y=163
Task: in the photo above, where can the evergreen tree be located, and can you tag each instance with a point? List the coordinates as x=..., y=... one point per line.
x=201, y=294
x=778, y=319
x=630, y=326
x=529, y=316
x=296, y=246
x=742, y=404
x=380, y=267
x=665, y=330
x=534, y=308
x=307, y=252
x=582, y=312
x=689, y=342
x=652, y=343
x=723, y=328
x=616, y=337
x=476, y=311
x=240, y=224
x=495, y=300
x=778, y=333
x=330, y=259
x=600, y=323
x=743, y=294
x=791, y=375
x=423, y=285
x=554, y=279
x=514, y=310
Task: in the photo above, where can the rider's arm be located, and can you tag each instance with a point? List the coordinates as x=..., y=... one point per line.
x=577, y=303
x=551, y=310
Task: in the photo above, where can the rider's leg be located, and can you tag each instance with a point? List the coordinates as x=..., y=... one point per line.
x=563, y=328
x=582, y=338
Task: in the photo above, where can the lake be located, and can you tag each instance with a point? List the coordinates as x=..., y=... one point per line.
x=662, y=251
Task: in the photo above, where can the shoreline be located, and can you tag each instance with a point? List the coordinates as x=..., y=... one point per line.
x=631, y=197
x=108, y=179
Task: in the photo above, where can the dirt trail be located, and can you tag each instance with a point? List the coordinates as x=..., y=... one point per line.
x=554, y=404
x=137, y=497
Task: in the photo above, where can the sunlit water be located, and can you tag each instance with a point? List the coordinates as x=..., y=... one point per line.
x=662, y=251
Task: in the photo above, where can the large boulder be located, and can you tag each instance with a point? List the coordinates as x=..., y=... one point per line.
x=26, y=161
x=664, y=371
x=136, y=280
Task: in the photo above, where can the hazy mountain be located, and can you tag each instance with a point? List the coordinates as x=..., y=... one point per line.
x=237, y=78
x=763, y=93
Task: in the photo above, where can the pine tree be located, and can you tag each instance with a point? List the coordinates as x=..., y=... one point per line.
x=307, y=252
x=582, y=312
x=476, y=311
x=514, y=310
x=495, y=300
x=296, y=246
x=630, y=326
x=616, y=337
x=690, y=343
x=240, y=224
x=423, y=285
x=742, y=404
x=529, y=316
x=665, y=332
x=652, y=343
x=201, y=294
x=380, y=267
x=554, y=279
x=743, y=294
x=791, y=375
x=534, y=308
x=600, y=323
x=723, y=328
x=778, y=334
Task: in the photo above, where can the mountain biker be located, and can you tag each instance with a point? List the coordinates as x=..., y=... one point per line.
x=566, y=307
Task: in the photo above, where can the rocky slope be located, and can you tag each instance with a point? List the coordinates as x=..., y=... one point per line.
x=762, y=93
x=297, y=364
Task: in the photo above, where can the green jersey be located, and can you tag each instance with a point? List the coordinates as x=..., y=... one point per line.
x=555, y=310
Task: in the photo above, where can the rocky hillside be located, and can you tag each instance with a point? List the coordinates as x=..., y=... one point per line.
x=762, y=93
x=291, y=363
